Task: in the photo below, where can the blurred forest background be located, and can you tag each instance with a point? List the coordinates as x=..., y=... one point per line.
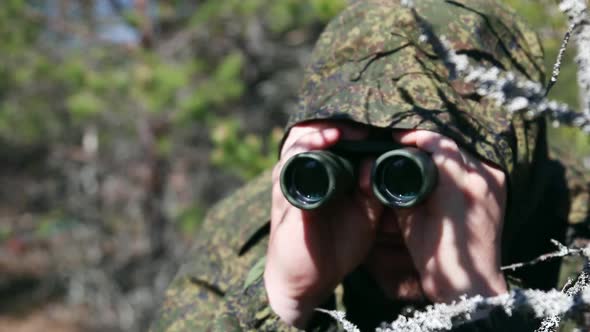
x=122, y=121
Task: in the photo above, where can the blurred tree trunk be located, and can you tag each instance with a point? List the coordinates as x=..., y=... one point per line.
x=145, y=23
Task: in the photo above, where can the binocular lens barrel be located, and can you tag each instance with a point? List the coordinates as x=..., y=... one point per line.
x=400, y=178
x=403, y=177
x=310, y=179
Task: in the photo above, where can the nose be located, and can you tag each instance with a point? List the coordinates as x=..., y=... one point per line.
x=365, y=177
x=388, y=223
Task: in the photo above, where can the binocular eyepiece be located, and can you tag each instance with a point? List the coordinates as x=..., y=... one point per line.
x=401, y=176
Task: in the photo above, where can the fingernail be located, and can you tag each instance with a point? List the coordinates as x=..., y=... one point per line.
x=330, y=134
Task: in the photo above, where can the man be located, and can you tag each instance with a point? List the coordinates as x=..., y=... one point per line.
x=372, y=71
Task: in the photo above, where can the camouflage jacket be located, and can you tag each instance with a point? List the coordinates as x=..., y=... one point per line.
x=220, y=286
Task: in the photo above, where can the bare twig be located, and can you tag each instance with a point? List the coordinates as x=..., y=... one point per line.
x=558, y=61
x=562, y=251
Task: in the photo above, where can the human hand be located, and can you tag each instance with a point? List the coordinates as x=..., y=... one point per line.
x=310, y=252
x=454, y=237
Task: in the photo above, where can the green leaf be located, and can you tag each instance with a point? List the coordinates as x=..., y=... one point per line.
x=249, y=7
x=84, y=104
x=170, y=77
x=281, y=16
x=230, y=67
x=193, y=107
x=190, y=219
x=74, y=73
x=327, y=9
x=207, y=12
x=133, y=18
x=255, y=273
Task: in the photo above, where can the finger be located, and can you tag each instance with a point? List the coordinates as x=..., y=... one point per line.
x=300, y=130
x=315, y=139
x=445, y=153
x=299, y=134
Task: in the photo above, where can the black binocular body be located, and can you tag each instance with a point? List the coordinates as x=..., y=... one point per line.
x=401, y=176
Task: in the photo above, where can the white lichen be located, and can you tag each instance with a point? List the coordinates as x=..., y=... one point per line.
x=340, y=317
x=444, y=317
x=577, y=13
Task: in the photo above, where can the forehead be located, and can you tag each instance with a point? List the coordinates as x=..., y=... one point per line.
x=369, y=132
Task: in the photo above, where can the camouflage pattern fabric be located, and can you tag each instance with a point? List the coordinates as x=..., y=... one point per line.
x=371, y=66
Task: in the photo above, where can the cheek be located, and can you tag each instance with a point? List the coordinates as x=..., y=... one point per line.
x=388, y=225
x=395, y=274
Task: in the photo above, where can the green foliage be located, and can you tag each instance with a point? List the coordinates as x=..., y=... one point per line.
x=224, y=85
x=281, y=15
x=84, y=103
x=190, y=219
x=292, y=14
x=538, y=13
x=158, y=83
x=230, y=68
x=5, y=232
x=48, y=93
x=326, y=9
x=19, y=66
x=93, y=82
x=245, y=155
x=53, y=224
x=133, y=18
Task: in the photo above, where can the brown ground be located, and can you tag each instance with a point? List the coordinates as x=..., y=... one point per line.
x=48, y=318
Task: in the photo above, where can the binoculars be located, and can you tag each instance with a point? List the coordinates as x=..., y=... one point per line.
x=401, y=176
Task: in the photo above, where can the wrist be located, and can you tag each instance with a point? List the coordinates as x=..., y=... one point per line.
x=295, y=311
x=293, y=306
x=292, y=312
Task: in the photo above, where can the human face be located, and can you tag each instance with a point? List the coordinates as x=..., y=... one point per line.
x=390, y=264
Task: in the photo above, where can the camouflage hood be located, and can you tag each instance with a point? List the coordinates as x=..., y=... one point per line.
x=372, y=66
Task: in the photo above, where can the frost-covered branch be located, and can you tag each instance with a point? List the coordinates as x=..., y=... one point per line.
x=551, y=305
x=521, y=95
x=558, y=61
x=551, y=323
x=562, y=251
x=577, y=13
x=444, y=317
x=340, y=317
x=515, y=93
